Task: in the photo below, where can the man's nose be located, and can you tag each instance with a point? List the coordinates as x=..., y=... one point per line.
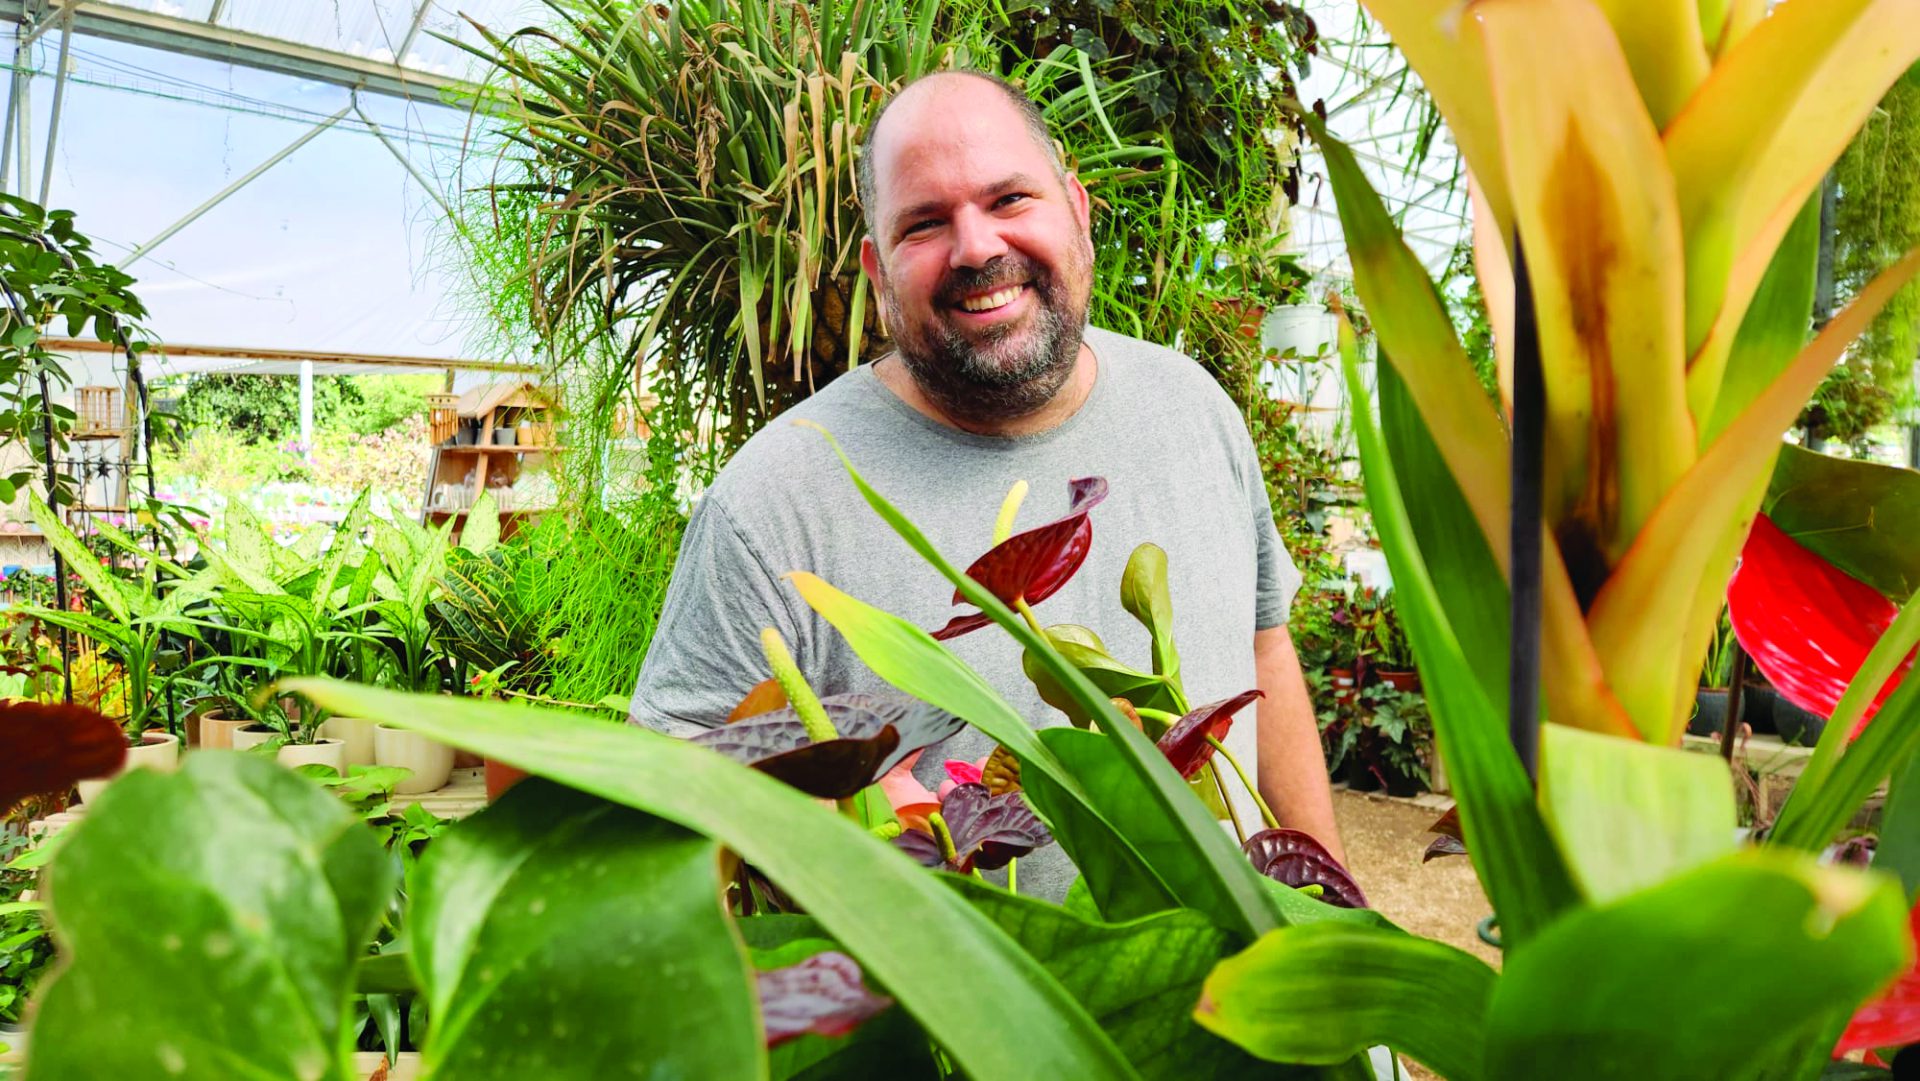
x=976, y=239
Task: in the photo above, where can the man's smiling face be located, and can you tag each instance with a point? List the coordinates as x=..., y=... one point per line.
x=980, y=249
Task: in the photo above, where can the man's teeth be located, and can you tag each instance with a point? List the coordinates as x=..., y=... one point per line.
x=992, y=300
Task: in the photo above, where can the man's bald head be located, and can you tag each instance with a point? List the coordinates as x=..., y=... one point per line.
x=933, y=83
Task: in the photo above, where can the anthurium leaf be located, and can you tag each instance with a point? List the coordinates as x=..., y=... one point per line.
x=541, y=908
x=1034, y=564
x=1221, y=883
x=46, y=747
x=1324, y=992
x=1806, y=623
x=1628, y=814
x=1472, y=589
x=1507, y=840
x=1749, y=950
x=1139, y=979
x=1113, y=874
x=822, y=995
x=989, y=830
x=1187, y=745
x=1145, y=596
x=1086, y=652
x=1029, y=1023
x=230, y=881
x=1295, y=859
x=1863, y=517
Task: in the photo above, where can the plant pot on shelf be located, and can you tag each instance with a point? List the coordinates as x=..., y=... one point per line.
x=156, y=750
x=322, y=752
x=1710, y=710
x=504, y=437
x=1345, y=683
x=356, y=736
x=431, y=762
x=1399, y=679
x=465, y=435
x=501, y=777
x=1796, y=725
x=217, y=729
x=253, y=735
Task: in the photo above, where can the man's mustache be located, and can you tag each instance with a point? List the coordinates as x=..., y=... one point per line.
x=1001, y=270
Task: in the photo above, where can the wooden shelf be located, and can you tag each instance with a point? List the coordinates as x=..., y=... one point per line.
x=475, y=448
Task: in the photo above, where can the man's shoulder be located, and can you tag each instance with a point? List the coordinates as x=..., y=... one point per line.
x=1158, y=376
x=787, y=458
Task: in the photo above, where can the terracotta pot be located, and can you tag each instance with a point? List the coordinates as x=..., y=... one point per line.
x=1399, y=680
x=156, y=750
x=1346, y=684
x=324, y=752
x=217, y=729
x=501, y=777
x=355, y=733
x=430, y=762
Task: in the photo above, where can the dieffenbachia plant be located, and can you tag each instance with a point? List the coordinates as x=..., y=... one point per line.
x=1652, y=163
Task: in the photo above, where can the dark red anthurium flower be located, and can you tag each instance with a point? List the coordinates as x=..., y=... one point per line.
x=1185, y=744
x=47, y=747
x=986, y=831
x=1893, y=1019
x=876, y=732
x=1033, y=565
x=1808, y=624
x=1295, y=859
x=823, y=995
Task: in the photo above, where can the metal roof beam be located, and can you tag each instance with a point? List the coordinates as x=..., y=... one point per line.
x=191, y=37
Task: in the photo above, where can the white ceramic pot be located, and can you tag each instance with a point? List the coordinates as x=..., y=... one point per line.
x=1307, y=329
x=217, y=729
x=430, y=762
x=356, y=733
x=252, y=735
x=325, y=752
x=156, y=750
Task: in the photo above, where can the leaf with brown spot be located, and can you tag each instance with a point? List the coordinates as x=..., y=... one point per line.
x=1001, y=774
x=47, y=747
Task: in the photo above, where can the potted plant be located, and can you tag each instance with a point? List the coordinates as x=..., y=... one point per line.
x=1757, y=702
x=1392, y=654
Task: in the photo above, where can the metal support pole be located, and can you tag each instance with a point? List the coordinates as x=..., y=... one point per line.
x=194, y=215
x=1528, y=473
x=418, y=176
x=13, y=101
x=23, y=132
x=53, y=121
x=306, y=409
x=419, y=20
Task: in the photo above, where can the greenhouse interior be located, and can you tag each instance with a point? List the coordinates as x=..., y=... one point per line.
x=993, y=539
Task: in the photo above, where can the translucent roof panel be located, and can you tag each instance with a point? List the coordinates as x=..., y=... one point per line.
x=370, y=29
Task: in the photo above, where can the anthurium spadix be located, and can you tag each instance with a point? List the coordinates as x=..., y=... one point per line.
x=1651, y=161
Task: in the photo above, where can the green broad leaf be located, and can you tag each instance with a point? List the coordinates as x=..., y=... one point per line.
x=1473, y=592
x=1114, y=876
x=345, y=541
x=7, y=490
x=557, y=935
x=229, y=882
x=23, y=337
x=1139, y=979
x=1029, y=1026
x=1232, y=893
x=482, y=528
x=1506, y=837
x=1816, y=811
x=385, y=973
x=1145, y=596
x=1628, y=814
x=251, y=549
x=98, y=580
x=1776, y=326
x=1084, y=650
x=1325, y=992
x=1713, y=973
x=1862, y=517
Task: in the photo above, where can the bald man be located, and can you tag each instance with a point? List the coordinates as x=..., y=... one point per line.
x=979, y=249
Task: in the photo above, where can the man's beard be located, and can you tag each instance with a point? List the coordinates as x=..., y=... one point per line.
x=1008, y=370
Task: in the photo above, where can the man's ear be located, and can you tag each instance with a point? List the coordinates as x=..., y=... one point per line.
x=1077, y=197
x=870, y=262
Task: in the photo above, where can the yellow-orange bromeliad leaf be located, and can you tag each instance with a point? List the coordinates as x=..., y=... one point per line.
x=1661, y=40
x=1595, y=209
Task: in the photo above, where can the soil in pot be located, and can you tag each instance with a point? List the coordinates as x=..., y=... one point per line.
x=156, y=750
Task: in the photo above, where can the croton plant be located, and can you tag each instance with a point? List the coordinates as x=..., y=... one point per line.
x=1654, y=162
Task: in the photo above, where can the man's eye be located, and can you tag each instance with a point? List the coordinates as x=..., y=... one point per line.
x=1010, y=198
x=920, y=226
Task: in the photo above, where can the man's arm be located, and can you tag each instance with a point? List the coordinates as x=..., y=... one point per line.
x=1293, y=768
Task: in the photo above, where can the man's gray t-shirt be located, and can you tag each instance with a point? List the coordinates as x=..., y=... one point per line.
x=1182, y=474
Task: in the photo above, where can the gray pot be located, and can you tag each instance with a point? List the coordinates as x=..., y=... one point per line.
x=464, y=435
x=505, y=437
